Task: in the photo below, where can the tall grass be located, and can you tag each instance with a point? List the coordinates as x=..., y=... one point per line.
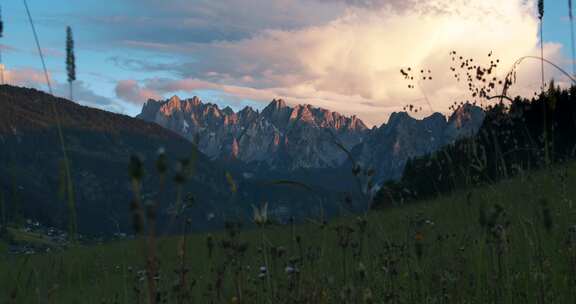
x=505, y=243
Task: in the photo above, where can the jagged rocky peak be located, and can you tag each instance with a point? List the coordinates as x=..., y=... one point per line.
x=310, y=115
x=173, y=104
x=465, y=121
x=280, y=135
x=356, y=123
x=150, y=109
x=466, y=112
x=303, y=113
x=195, y=101
x=175, y=100
x=397, y=118
x=436, y=117
x=247, y=114
x=228, y=110
x=278, y=103
x=401, y=119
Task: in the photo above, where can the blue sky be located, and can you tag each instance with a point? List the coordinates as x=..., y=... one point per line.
x=338, y=54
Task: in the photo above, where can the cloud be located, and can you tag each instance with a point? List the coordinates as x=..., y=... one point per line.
x=205, y=21
x=130, y=90
x=348, y=62
x=26, y=77
x=83, y=94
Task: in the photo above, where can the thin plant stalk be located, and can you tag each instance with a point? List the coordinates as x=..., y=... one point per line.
x=70, y=60
x=545, y=104
x=571, y=16
x=73, y=226
x=1, y=36
x=3, y=218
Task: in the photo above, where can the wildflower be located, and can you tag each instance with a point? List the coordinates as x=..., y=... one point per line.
x=260, y=216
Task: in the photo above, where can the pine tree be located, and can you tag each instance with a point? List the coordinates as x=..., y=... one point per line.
x=70, y=59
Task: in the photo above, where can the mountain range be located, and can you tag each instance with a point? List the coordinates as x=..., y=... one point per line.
x=285, y=138
x=279, y=136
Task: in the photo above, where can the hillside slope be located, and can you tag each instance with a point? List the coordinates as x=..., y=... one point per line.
x=99, y=145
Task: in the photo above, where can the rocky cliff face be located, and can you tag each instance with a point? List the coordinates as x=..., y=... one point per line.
x=280, y=136
x=284, y=137
x=387, y=148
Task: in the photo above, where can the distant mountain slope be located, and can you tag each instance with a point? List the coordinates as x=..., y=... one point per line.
x=387, y=148
x=99, y=145
x=282, y=137
x=514, y=139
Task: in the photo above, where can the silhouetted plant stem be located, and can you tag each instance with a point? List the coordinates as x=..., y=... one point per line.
x=70, y=60
x=3, y=218
x=73, y=226
x=152, y=260
x=545, y=104
x=139, y=215
x=1, y=36
x=182, y=271
x=571, y=16
x=268, y=271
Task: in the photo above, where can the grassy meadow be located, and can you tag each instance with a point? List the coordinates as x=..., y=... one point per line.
x=513, y=242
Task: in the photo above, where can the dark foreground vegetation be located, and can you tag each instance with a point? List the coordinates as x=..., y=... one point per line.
x=512, y=242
